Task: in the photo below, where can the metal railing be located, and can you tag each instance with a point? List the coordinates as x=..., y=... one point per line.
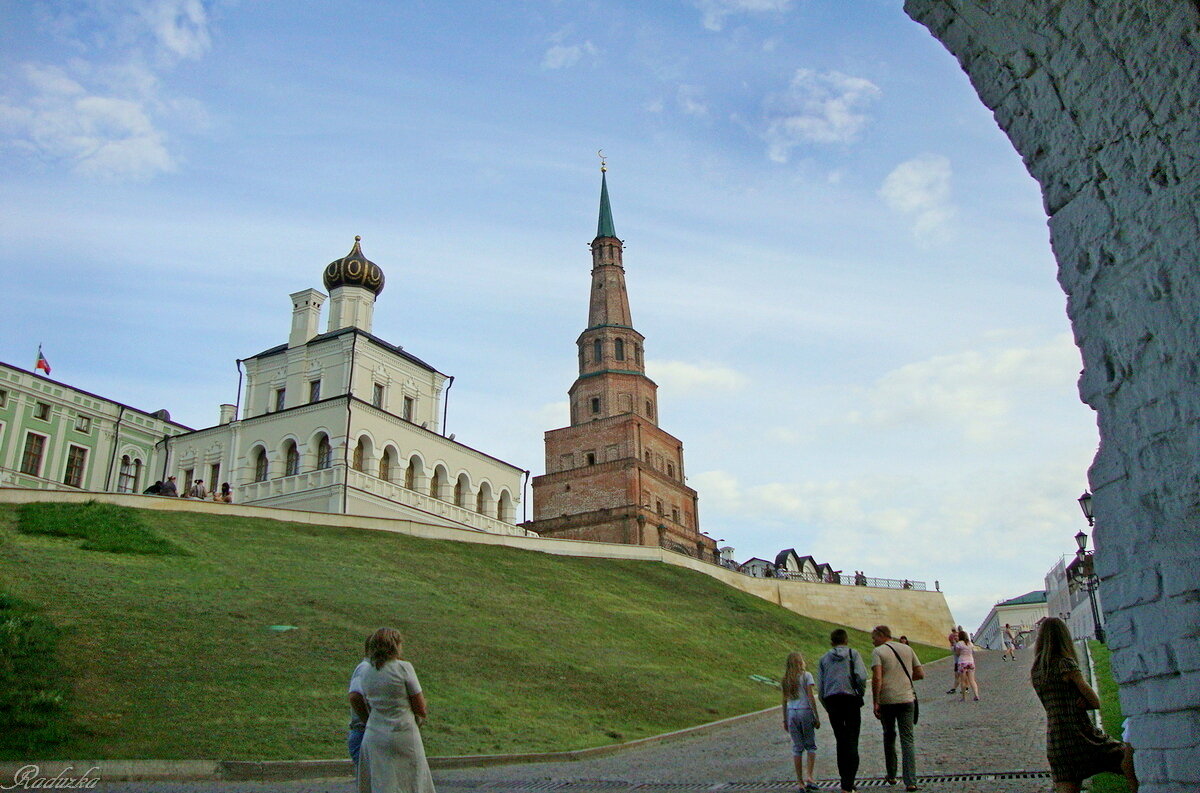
x=839, y=578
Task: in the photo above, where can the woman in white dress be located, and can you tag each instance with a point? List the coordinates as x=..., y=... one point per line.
x=392, y=749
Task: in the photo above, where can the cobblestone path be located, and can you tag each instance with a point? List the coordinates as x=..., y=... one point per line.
x=995, y=745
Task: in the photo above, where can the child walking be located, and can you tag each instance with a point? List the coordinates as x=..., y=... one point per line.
x=800, y=718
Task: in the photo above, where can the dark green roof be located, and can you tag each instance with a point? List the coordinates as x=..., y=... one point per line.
x=1036, y=596
x=605, y=227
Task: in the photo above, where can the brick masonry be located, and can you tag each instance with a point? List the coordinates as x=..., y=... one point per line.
x=614, y=475
x=1099, y=98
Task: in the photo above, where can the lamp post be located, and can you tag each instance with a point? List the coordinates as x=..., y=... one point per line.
x=1083, y=571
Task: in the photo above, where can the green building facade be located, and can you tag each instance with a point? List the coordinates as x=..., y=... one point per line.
x=54, y=436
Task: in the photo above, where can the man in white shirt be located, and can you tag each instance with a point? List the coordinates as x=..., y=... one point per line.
x=894, y=668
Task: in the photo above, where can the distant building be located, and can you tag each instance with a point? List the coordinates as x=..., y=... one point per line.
x=345, y=422
x=756, y=567
x=614, y=475
x=1069, y=602
x=54, y=436
x=805, y=568
x=1022, y=613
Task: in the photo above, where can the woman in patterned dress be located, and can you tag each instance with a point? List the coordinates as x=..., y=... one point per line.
x=1075, y=748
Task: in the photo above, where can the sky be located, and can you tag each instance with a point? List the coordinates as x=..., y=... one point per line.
x=839, y=263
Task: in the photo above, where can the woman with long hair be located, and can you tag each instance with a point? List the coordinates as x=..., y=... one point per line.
x=1075, y=748
x=393, y=756
x=964, y=663
x=800, y=718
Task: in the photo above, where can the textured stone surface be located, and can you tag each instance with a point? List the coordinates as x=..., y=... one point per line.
x=1099, y=98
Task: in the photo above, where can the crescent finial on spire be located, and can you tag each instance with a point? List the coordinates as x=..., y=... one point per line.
x=603, y=160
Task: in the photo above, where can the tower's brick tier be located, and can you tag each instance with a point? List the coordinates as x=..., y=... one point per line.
x=618, y=479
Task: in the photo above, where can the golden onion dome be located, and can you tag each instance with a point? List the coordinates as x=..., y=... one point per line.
x=354, y=269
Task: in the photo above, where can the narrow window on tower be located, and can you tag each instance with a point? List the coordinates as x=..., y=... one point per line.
x=591, y=458
x=661, y=511
x=314, y=390
x=280, y=398
x=409, y=404
x=597, y=351
x=619, y=349
x=671, y=470
x=637, y=353
x=595, y=404
x=649, y=408
x=377, y=396
x=675, y=514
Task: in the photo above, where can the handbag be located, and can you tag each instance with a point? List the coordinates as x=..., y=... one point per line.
x=916, y=702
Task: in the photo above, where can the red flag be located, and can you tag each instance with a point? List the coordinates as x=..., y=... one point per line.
x=42, y=363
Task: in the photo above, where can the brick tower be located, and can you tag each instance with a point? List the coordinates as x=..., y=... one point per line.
x=614, y=475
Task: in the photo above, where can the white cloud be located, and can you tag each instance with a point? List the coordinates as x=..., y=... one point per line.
x=680, y=377
x=564, y=56
x=179, y=27
x=714, y=12
x=691, y=100
x=654, y=106
x=974, y=391
x=106, y=117
x=896, y=525
x=817, y=107
x=920, y=188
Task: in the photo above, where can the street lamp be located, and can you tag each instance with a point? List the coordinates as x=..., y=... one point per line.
x=1085, y=503
x=1083, y=573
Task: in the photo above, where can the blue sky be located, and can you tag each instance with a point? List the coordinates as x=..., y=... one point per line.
x=839, y=263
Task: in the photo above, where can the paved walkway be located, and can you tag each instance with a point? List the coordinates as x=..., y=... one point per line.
x=1001, y=734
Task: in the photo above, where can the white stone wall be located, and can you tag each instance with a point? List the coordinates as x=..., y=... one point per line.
x=1100, y=99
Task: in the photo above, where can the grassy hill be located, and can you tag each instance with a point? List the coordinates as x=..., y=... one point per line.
x=167, y=651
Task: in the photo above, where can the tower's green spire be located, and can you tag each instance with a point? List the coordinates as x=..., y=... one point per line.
x=605, y=227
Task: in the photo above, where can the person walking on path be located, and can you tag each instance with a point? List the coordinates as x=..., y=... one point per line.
x=964, y=662
x=895, y=701
x=843, y=683
x=394, y=759
x=1010, y=643
x=1075, y=749
x=952, y=639
x=800, y=718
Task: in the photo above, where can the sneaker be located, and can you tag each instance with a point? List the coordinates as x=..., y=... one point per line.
x=951, y=691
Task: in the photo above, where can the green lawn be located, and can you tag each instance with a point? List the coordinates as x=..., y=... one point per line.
x=171, y=656
x=1110, y=715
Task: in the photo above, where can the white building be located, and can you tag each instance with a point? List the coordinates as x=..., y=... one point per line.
x=1022, y=613
x=1070, y=602
x=345, y=422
